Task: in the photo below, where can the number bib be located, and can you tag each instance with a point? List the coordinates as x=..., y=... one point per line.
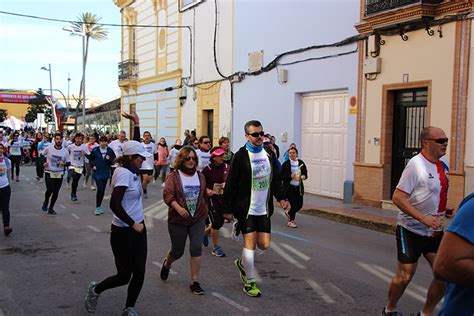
x=261, y=174
x=55, y=175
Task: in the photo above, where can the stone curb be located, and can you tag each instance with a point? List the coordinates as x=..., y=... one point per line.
x=340, y=217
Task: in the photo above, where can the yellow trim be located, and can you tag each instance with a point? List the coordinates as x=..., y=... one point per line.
x=144, y=110
x=172, y=107
x=123, y=3
x=208, y=98
x=173, y=42
x=176, y=74
x=171, y=126
x=171, y=117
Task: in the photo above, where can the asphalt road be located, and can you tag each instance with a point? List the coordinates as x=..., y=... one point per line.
x=320, y=268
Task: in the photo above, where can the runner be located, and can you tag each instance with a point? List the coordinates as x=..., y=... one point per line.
x=101, y=160
x=77, y=152
x=5, y=191
x=185, y=195
x=173, y=153
x=117, y=147
x=293, y=173
x=224, y=142
x=91, y=144
x=57, y=158
x=248, y=195
x=203, y=152
x=15, y=149
x=146, y=170
x=216, y=175
x=161, y=164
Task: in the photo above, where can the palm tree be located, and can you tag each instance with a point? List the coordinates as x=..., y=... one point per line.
x=86, y=25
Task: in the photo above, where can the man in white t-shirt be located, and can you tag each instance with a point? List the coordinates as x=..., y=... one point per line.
x=117, y=147
x=204, y=152
x=77, y=152
x=252, y=183
x=421, y=195
x=146, y=171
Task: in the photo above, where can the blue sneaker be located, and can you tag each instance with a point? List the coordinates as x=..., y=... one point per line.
x=44, y=208
x=205, y=240
x=218, y=252
x=73, y=198
x=98, y=210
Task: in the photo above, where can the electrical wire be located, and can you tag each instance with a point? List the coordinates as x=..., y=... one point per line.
x=216, y=64
x=318, y=58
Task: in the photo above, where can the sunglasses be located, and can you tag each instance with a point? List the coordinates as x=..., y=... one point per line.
x=191, y=158
x=206, y=142
x=257, y=134
x=440, y=140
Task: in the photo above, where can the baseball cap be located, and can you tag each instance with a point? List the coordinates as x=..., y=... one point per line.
x=132, y=147
x=218, y=152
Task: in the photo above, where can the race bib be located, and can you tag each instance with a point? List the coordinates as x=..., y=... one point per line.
x=191, y=194
x=78, y=170
x=261, y=174
x=3, y=170
x=55, y=175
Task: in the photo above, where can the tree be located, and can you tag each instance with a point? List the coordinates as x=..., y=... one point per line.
x=3, y=114
x=92, y=31
x=39, y=104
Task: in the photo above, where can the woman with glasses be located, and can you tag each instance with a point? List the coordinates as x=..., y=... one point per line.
x=185, y=194
x=203, y=153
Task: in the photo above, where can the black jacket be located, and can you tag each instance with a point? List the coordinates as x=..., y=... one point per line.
x=237, y=189
x=286, y=175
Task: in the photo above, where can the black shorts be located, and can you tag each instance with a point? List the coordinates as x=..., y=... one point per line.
x=217, y=218
x=148, y=172
x=410, y=246
x=254, y=223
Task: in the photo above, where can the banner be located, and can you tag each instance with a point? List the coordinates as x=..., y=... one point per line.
x=16, y=97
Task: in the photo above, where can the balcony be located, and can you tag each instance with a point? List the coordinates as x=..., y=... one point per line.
x=377, y=6
x=128, y=70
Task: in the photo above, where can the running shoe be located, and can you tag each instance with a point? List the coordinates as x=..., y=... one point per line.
x=218, y=252
x=251, y=289
x=287, y=216
x=205, y=240
x=395, y=313
x=196, y=288
x=84, y=185
x=98, y=211
x=92, y=188
x=129, y=311
x=235, y=231
x=38, y=178
x=73, y=198
x=145, y=195
x=7, y=231
x=44, y=208
x=51, y=212
x=91, y=298
x=240, y=267
x=164, y=271
x=292, y=224
x=17, y=179
x=163, y=185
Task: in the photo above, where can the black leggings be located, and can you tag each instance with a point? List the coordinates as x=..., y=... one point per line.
x=75, y=181
x=40, y=166
x=16, y=160
x=130, y=251
x=179, y=234
x=5, y=204
x=101, y=184
x=53, y=185
x=295, y=199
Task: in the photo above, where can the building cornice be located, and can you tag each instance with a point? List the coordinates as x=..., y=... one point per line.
x=410, y=13
x=123, y=3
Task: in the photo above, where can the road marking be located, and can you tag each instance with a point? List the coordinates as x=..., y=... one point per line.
x=423, y=290
x=94, y=228
x=290, y=236
x=338, y=290
x=27, y=179
x=295, y=251
x=319, y=290
x=387, y=279
x=160, y=265
x=225, y=232
x=230, y=302
x=151, y=206
x=75, y=216
x=286, y=256
x=62, y=206
x=149, y=221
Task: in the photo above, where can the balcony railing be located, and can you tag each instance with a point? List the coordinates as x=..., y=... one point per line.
x=376, y=6
x=128, y=70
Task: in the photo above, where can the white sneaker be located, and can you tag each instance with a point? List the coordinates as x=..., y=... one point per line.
x=92, y=188
x=235, y=231
x=84, y=185
x=163, y=185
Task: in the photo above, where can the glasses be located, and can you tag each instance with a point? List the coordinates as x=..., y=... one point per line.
x=440, y=140
x=191, y=158
x=207, y=143
x=257, y=134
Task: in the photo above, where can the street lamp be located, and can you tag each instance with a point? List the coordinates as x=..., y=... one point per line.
x=51, y=87
x=83, y=34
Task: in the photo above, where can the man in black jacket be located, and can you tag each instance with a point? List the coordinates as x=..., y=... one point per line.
x=248, y=195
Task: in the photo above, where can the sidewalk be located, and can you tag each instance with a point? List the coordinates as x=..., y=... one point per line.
x=360, y=215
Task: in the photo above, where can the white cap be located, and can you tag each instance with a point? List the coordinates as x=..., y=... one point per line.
x=132, y=147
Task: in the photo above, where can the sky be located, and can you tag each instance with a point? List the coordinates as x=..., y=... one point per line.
x=26, y=45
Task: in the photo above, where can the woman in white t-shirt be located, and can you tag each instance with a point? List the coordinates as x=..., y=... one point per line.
x=5, y=191
x=15, y=149
x=128, y=233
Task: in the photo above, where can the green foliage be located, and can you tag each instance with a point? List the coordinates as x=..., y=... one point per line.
x=3, y=114
x=39, y=104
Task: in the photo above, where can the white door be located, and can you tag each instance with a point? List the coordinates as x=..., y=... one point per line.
x=324, y=142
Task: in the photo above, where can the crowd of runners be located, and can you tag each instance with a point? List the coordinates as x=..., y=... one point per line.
x=204, y=186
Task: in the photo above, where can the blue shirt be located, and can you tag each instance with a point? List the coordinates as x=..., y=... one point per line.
x=459, y=300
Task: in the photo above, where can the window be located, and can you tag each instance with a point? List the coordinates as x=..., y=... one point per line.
x=186, y=4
